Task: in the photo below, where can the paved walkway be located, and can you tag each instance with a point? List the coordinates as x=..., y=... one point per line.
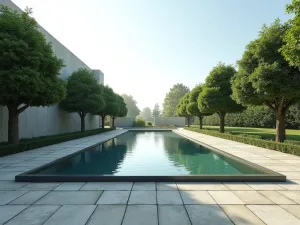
x=130, y=203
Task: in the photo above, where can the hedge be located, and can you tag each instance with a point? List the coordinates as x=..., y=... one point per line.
x=290, y=148
x=28, y=144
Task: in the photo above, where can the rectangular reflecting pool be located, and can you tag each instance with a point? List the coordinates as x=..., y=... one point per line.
x=150, y=156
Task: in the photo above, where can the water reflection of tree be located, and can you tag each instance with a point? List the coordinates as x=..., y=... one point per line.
x=194, y=157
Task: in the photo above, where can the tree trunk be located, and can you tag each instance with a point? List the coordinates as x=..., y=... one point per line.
x=280, y=125
x=113, y=122
x=82, y=117
x=200, y=122
x=103, y=121
x=13, y=124
x=188, y=121
x=222, y=122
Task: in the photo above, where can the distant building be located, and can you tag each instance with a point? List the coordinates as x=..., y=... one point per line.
x=43, y=121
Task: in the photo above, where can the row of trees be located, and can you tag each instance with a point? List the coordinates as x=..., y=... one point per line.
x=85, y=95
x=212, y=97
x=29, y=76
x=268, y=74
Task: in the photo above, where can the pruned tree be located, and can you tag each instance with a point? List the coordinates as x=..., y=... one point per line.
x=119, y=109
x=192, y=107
x=216, y=94
x=182, y=108
x=172, y=99
x=28, y=68
x=266, y=78
x=110, y=100
x=84, y=95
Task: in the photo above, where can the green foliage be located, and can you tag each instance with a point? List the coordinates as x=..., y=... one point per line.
x=28, y=68
x=291, y=47
x=84, y=94
x=265, y=77
x=216, y=94
x=132, y=108
x=149, y=124
x=156, y=112
x=28, y=144
x=172, y=99
x=282, y=147
x=146, y=114
x=182, y=108
x=139, y=122
x=192, y=108
x=119, y=109
x=110, y=99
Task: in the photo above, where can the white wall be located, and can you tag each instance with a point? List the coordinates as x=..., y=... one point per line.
x=41, y=121
x=124, y=122
x=176, y=121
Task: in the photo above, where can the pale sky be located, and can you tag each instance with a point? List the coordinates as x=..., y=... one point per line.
x=144, y=47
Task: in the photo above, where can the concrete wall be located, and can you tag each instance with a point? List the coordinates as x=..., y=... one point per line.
x=176, y=121
x=41, y=121
x=124, y=122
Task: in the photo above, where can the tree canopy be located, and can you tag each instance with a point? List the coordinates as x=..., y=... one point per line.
x=119, y=109
x=192, y=107
x=216, y=94
x=28, y=68
x=132, y=108
x=84, y=95
x=172, y=99
x=266, y=78
x=110, y=100
x=182, y=108
x=291, y=46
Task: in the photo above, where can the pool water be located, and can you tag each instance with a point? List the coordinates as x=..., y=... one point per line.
x=149, y=154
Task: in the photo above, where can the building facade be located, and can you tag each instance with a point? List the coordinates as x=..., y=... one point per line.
x=44, y=121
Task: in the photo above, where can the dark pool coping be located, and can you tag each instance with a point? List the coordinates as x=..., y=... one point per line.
x=270, y=176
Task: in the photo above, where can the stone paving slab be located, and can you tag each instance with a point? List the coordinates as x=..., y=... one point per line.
x=142, y=197
x=144, y=186
x=169, y=198
x=207, y=215
x=141, y=214
x=34, y=215
x=29, y=198
x=175, y=215
x=253, y=198
x=70, y=198
x=241, y=215
x=114, y=197
x=197, y=198
x=71, y=215
x=9, y=211
x=107, y=186
x=273, y=215
x=226, y=197
x=107, y=215
x=8, y=196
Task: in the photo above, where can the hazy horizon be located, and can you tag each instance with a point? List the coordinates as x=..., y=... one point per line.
x=145, y=47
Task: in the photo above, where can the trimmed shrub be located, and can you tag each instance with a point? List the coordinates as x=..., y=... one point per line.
x=149, y=124
x=139, y=123
x=28, y=144
x=290, y=148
